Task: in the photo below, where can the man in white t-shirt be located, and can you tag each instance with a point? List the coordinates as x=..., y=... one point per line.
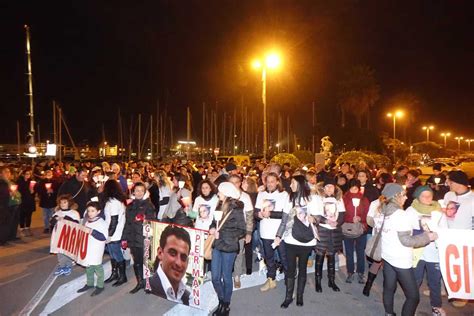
x=269, y=208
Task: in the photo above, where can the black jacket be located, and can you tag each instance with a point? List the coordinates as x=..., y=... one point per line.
x=27, y=198
x=84, y=195
x=232, y=230
x=133, y=230
x=157, y=289
x=47, y=200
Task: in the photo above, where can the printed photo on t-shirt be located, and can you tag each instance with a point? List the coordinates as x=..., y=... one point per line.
x=204, y=211
x=451, y=209
x=268, y=205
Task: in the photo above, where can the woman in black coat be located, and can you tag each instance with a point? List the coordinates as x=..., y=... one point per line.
x=139, y=210
x=27, y=206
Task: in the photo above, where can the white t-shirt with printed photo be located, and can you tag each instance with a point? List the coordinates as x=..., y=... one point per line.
x=276, y=201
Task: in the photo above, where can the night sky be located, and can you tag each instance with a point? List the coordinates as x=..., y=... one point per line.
x=95, y=57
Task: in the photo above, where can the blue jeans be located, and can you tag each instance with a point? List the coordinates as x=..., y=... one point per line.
x=270, y=257
x=115, y=250
x=434, y=280
x=359, y=244
x=222, y=264
x=47, y=214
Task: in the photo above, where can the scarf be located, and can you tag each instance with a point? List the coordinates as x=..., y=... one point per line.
x=425, y=209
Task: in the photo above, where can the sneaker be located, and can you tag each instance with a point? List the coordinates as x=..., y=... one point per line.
x=361, y=278
x=67, y=271
x=350, y=277
x=310, y=263
x=438, y=311
x=268, y=285
x=59, y=271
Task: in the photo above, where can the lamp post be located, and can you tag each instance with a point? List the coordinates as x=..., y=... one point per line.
x=468, y=141
x=427, y=129
x=459, y=138
x=271, y=61
x=445, y=135
x=278, y=148
x=394, y=115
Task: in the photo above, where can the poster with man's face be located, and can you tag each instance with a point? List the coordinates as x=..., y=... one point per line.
x=176, y=271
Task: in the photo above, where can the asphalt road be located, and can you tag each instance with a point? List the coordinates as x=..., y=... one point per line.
x=27, y=286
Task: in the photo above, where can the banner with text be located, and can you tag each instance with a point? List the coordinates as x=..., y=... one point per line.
x=176, y=271
x=456, y=254
x=70, y=239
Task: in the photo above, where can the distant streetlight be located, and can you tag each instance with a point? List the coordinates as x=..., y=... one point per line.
x=271, y=61
x=468, y=141
x=394, y=115
x=428, y=129
x=459, y=138
x=298, y=146
x=278, y=147
x=445, y=135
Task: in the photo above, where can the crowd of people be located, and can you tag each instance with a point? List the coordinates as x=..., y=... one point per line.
x=290, y=218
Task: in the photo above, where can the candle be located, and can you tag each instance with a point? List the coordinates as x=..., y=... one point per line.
x=437, y=180
x=32, y=184
x=129, y=184
x=47, y=186
x=13, y=187
x=203, y=176
x=181, y=184
x=355, y=202
x=218, y=215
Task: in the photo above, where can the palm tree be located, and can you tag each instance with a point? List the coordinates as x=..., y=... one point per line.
x=358, y=93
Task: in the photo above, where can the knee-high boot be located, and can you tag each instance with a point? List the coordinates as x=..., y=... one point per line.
x=368, y=285
x=300, y=289
x=319, y=271
x=332, y=273
x=114, y=275
x=122, y=278
x=138, y=269
x=290, y=288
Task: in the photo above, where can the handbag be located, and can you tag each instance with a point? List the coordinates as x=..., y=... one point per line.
x=352, y=230
x=210, y=239
x=373, y=249
x=301, y=232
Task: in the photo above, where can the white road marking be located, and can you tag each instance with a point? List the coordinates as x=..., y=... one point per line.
x=67, y=293
x=39, y=295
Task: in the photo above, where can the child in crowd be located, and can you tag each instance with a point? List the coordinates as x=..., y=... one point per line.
x=65, y=210
x=95, y=249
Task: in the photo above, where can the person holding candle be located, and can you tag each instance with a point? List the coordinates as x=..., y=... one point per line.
x=47, y=190
x=357, y=206
x=79, y=188
x=26, y=187
x=437, y=182
x=4, y=211
x=13, y=203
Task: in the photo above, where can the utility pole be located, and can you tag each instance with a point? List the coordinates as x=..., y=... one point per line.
x=31, y=133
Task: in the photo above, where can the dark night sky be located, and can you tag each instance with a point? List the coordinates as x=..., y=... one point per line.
x=97, y=56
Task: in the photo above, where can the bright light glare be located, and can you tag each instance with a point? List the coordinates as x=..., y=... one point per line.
x=272, y=61
x=256, y=64
x=399, y=113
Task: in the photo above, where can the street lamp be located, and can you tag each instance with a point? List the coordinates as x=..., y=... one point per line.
x=468, y=141
x=459, y=138
x=427, y=129
x=278, y=147
x=445, y=135
x=396, y=114
x=271, y=61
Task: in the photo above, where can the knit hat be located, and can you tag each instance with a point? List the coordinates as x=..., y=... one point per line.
x=329, y=180
x=458, y=176
x=421, y=189
x=392, y=189
x=229, y=190
x=230, y=166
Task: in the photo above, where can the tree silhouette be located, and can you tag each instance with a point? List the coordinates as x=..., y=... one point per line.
x=358, y=92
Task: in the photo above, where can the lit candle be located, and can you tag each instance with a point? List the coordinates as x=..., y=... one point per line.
x=355, y=202
x=203, y=176
x=129, y=184
x=32, y=184
x=13, y=187
x=47, y=186
x=437, y=180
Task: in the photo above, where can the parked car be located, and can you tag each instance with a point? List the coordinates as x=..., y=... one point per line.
x=446, y=166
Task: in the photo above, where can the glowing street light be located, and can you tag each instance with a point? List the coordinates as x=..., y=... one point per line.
x=395, y=115
x=468, y=141
x=459, y=138
x=428, y=129
x=445, y=135
x=278, y=147
x=271, y=61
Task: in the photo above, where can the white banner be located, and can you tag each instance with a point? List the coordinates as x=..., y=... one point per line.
x=456, y=254
x=70, y=239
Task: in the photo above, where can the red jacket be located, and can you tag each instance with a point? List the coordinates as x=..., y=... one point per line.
x=362, y=209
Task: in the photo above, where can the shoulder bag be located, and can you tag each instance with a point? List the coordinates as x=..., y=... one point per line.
x=373, y=249
x=353, y=230
x=210, y=239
